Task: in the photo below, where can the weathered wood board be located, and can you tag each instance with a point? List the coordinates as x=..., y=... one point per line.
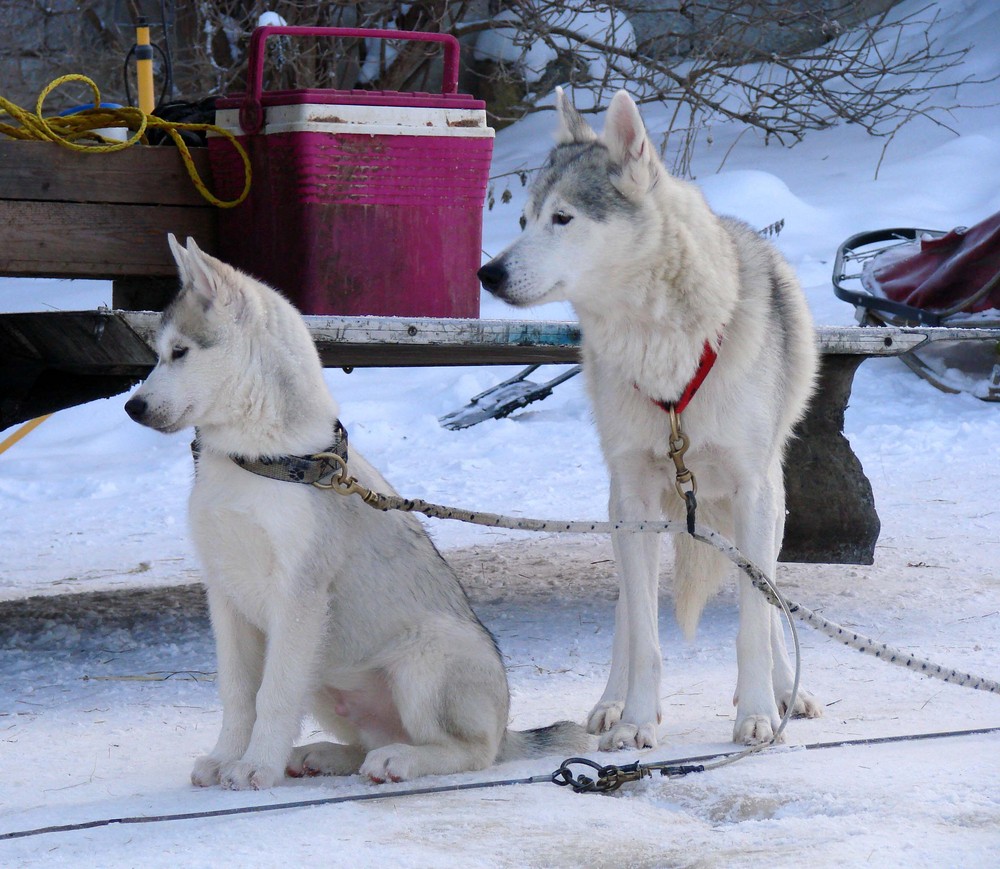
x=72, y=214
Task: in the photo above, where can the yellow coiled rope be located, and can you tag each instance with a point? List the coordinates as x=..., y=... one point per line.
x=68, y=131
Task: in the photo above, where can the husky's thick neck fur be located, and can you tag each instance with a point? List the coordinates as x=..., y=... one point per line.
x=232, y=401
x=661, y=319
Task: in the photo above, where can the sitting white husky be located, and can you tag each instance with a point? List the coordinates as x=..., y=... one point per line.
x=676, y=305
x=318, y=602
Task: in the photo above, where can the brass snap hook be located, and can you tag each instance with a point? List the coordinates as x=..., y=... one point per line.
x=340, y=481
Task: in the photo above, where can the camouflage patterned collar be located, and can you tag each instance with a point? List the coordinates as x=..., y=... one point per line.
x=293, y=469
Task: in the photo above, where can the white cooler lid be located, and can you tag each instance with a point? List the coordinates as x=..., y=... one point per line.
x=365, y=120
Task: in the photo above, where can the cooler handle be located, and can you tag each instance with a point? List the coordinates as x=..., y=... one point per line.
x=252, y=112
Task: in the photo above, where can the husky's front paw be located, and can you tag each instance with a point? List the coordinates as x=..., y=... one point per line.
x=397, y=762
x=627, y=736
x=205, y=772
x=806, y=706
x=242, y=775
x=604, y=716
x=754, y=729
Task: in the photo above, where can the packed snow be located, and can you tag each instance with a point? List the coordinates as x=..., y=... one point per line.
x=107, y=659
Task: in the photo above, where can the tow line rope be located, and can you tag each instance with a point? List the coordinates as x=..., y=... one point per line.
x=595, y=779
x=345, y=484
x=68, y=131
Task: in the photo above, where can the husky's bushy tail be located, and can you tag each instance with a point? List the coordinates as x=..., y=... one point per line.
x=698, y=571
x=563, y=737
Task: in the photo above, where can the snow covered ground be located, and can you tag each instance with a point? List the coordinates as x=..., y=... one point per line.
x=91, y=503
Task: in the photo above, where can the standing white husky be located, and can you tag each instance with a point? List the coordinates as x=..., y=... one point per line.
x=318, y=602
x=661, y=285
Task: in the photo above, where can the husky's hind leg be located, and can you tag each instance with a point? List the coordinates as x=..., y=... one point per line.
x=757, y=514
x=402, y=762
x=450, y=691
x=782, y=668
x=608, y=711
x=325, y=758
x=783, y=675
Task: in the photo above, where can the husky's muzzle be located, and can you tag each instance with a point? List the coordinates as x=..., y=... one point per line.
x=139, y=409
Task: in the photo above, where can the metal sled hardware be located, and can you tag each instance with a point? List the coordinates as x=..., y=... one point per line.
x=504, y=398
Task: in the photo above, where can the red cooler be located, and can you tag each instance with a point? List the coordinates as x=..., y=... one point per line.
x=362, y=202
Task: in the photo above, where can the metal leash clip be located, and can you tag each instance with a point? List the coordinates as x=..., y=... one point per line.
x=678, y=446
x=342, y=482
x=609, y=778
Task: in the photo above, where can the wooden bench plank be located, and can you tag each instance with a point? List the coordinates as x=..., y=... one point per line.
x=402, y=341
x=103, y=241
x=391, y=341
x=56, y=359
x=139, y=175
x=99, y=215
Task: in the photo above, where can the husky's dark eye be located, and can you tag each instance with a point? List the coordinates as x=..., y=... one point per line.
x=561, y=218
x=179, y=352
x=523, y=222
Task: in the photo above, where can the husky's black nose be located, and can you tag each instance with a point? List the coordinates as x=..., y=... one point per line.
x=136, y=408
x=492, y=276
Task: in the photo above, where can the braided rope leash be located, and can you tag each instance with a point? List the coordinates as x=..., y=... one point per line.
x=67, y=131
x=344, y=484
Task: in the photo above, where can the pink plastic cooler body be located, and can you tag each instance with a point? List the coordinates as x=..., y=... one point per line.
x=362, y=203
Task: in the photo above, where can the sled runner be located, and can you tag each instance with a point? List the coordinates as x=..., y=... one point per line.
x=504, y=398
x=910, y=276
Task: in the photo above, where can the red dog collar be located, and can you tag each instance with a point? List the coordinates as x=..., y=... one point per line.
x=708, y=357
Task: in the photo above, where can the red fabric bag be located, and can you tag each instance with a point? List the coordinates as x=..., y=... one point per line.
x=938, y=274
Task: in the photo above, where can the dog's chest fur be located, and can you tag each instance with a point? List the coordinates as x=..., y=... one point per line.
x=251, y=535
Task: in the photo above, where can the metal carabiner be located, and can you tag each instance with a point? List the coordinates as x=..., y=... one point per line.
x=608, y=778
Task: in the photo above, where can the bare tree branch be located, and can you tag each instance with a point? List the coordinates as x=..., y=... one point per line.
x=706, y=60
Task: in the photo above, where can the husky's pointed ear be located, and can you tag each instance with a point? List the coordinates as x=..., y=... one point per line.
x=213, y=281
x=203, y=281
x=572, y=126
x=193, y=249
x=180, y=257
x=630, y=148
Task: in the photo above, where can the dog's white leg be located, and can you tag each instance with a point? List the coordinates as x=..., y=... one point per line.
x=608, y=711
x=783, y=675
x=293, y=640
x=757, y=514
x=783, y=671
x=240, y=656
x=403, y=762
x=635, y=495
